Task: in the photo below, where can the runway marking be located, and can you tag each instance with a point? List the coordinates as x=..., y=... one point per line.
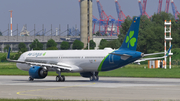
x=20, y=92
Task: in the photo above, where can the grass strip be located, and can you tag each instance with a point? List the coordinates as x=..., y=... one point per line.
x=42, y=100
x=131, y=70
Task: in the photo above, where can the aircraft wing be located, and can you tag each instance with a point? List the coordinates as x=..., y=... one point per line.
x=17, y=61
x=58, y=65
x=69, y=68
x=145, y=59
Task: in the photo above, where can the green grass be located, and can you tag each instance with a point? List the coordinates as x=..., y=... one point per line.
x=131, y=70
x=5, y=54
x=128, y=71
x=41, y=100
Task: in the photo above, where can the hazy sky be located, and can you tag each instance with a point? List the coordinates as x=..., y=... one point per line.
x=64, y=12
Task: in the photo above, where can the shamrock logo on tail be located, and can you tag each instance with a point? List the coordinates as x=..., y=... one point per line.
x=130, y=39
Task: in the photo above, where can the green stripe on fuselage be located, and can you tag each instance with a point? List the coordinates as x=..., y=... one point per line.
x=100, y=66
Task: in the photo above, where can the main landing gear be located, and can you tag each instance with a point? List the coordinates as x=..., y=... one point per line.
x=94, y=76
x=59, y=77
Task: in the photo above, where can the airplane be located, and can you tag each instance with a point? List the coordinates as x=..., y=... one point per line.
x=86, y=62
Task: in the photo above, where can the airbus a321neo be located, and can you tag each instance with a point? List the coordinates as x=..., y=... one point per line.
x=86, y=62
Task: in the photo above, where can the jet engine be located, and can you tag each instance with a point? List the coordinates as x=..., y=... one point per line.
x=37, y=72
x=88, y=74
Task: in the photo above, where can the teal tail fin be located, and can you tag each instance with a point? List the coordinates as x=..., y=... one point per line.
x=130, y=41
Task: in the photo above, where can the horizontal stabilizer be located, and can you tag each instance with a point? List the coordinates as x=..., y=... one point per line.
x=153, y=54
x=145, y=59
x=155, y=58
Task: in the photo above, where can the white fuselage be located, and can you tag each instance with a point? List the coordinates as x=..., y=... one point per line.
x=79, y=60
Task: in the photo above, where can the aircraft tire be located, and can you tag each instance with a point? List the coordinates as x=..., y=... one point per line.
x=91, y=78
x=62, y=78
x=31, y=79
x=58, y=78
x=97, y=78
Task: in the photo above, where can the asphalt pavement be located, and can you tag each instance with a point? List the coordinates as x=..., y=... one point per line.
x=107, y=88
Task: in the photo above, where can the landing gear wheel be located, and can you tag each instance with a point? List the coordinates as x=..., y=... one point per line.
x=58, y=78
x=91, y=78
x=31, y=79
x=63, y=78
x=96, y=78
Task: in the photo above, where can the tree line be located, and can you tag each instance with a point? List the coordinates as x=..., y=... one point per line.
x=151, y=33
x=51, y=45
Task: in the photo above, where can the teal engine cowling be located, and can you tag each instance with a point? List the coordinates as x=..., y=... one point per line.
x=37, y=72
x=88, y=74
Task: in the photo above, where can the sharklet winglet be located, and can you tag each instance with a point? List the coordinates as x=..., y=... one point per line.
x=8, y=55
x=168, y=51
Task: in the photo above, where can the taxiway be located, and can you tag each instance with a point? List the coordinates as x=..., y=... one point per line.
x=107, y=88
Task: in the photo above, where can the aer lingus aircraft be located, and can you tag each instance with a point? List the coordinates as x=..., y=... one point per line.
x=87, y=62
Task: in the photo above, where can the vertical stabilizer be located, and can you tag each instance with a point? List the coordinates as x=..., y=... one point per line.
x=130, y=41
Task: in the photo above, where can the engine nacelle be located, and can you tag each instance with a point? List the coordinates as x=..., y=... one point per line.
x=37, y=72
x=88, y=74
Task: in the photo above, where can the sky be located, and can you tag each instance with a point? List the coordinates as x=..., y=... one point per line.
x=64, y=12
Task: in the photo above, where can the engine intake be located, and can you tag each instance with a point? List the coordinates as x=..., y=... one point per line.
x=37, y=72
